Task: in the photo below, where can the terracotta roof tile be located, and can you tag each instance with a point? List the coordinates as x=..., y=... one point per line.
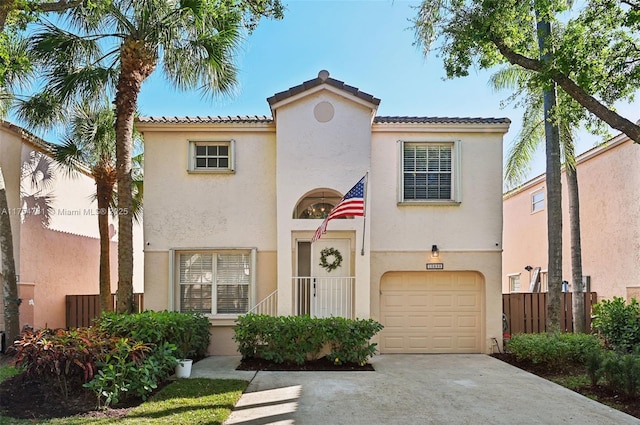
x=259, y=119
x=216, y=119
x=439, y=120
x=322, y=78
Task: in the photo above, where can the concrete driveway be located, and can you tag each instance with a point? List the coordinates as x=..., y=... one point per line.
x=409, y=389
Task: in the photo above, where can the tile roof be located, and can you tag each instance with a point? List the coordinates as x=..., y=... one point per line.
x=439, y=120
x=322, y=78
x=259, y=119
x=215, y=119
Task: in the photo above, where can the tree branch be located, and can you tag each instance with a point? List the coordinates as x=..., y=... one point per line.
x=575, y=91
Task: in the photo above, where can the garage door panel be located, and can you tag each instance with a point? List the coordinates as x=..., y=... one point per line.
x=431, y=312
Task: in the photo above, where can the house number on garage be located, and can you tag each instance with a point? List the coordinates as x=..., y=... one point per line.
x=435, y=266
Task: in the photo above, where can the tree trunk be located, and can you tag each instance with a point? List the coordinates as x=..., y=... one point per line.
x=554, y=192
x=579, y=322
x=137, y=62
x=9, y=280
x=105, y=179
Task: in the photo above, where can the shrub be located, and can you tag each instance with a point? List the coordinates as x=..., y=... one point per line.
x=618, y=323
x=188, y=331
x=131, y=369
x=555, y=349
x=63, y=359
x=298, y=338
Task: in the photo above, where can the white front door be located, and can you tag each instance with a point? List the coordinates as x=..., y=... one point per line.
x=331, y=290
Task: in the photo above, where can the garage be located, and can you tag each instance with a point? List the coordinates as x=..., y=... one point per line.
x=431, y=312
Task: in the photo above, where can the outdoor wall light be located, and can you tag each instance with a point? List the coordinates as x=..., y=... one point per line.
x=528, y=268
x=435, y=252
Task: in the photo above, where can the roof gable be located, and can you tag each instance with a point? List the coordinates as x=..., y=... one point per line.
x=323, y=81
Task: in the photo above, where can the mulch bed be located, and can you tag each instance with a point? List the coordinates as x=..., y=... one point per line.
x=322, y=364
x=600, y=393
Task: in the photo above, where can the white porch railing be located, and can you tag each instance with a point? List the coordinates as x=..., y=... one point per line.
x=268, y=306
x=323, y=296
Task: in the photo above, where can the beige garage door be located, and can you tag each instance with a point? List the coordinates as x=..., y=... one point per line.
x=431, y=312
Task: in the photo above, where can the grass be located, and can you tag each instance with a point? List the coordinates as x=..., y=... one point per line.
x=183, y=402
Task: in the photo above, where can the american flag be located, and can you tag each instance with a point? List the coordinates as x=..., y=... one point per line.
x=351, y=205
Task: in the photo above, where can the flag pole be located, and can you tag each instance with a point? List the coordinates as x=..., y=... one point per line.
x=364, y=210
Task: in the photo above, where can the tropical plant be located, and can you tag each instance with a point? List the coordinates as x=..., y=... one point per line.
x=90, y=146
x=595, y=61
x=117, y=45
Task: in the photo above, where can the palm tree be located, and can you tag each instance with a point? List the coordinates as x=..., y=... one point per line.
x=521, y=154
x=90, y=143
x=193, y=41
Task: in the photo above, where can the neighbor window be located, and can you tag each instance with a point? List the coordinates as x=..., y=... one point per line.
x=537, y=201
x=428, y=172
x=514, y=283
x=215, y=282
x=211, y=156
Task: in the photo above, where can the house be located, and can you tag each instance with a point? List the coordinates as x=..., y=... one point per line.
x=232, y=203
x=610, y=227
x=54, y=226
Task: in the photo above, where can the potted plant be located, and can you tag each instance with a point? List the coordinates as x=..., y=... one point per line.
x=185, y=352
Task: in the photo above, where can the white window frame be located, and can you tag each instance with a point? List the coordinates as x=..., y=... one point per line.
x=539, y=204
x=456, y=173
x=174, y=270
x=513, y=288
x=192, y=168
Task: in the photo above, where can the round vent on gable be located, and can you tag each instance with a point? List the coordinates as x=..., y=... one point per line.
x=323, y=111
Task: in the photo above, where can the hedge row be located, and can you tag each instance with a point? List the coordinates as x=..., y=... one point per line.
x=299, y=338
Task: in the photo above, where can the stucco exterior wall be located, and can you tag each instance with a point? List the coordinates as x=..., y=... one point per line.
x=609, y=215
x=58, y=264
x=304, y=142
x=323, y=136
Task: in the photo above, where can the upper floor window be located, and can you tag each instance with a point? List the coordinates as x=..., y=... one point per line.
x=537, y=201
x=316, y=204
x=429, y=172
x=212, y=156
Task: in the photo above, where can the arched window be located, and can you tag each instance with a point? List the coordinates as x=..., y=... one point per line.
x=316, y=204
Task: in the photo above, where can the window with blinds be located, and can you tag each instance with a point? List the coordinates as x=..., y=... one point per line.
x=214, y=282
x=427, y=171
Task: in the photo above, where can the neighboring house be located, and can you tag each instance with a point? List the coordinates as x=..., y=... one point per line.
x=231, y=205
x=610, y=225
x=60, y=257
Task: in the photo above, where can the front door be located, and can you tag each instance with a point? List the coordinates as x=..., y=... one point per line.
x=331, y=289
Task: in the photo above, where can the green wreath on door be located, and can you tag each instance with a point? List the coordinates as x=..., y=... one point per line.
x=325, y=255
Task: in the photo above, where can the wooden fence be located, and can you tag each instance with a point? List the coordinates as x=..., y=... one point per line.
x=527, y=312
x=82, y=309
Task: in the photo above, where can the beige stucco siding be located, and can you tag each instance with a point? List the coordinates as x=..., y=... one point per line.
x=206, y=209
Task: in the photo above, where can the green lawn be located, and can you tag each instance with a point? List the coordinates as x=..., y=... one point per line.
x=183, y=402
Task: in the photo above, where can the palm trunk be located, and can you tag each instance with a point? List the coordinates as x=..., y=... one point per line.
x=136, y=64
x=579, y=322
x=105, y=181
x=9, y=280
x=554, y=191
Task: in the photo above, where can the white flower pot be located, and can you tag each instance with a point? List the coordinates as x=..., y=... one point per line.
x=183, y=369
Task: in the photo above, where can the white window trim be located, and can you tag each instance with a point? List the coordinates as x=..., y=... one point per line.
x=191, y=166
x=535, y=192
x=509, y=276
x=456, y=161
x=173, y=257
